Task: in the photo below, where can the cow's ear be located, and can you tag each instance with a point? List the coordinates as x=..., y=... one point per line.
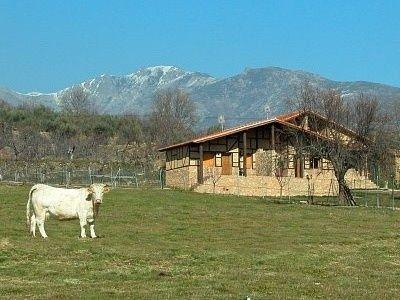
x=106, y=188
x=89, y=191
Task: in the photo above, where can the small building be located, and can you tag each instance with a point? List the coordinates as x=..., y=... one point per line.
x=256, y=159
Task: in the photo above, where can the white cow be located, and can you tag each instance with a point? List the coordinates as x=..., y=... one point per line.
x=64, y=204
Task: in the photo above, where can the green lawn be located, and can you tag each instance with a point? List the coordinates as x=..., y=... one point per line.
x=171, y=244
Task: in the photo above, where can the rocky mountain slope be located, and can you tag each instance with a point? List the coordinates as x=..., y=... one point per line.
x=251, y=94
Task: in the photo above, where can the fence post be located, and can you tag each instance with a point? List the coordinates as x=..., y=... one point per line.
x=238, y=183
x=90, y=176
x=393, y=192
x=377, y=199
x=365, y=191
x=160, y=178
x=111, y=175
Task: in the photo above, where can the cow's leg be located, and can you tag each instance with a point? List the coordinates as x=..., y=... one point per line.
x=82, y=222
x=40, y=222
x=33, y=225
x=91, y=226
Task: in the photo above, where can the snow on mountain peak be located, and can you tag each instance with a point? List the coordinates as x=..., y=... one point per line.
x=164, y=69
x=159, y=75
x=243, y=95
x=154, y=70
x=35, y=94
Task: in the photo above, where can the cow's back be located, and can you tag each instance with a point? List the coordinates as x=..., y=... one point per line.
x=60, y=202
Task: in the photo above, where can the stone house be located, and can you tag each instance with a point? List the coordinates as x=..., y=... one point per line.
x=256, y=159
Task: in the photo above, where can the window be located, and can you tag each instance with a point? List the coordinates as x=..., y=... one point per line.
x=208, y=159
x=218, y=160
x=314, y=162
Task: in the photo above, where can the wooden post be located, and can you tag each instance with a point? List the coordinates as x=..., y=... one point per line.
x=244, y=154
x=200, y=169
x=273, y=137
x=257, y=137
x=393, y=192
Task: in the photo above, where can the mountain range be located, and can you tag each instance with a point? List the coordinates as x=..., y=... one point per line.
x=252, y=94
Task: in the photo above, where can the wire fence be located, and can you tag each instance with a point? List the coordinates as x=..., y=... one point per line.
x=386, y=197
x=71, y=176
x=381, y=198
x=370, y=198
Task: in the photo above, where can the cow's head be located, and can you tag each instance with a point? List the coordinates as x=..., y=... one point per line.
x=96, y=191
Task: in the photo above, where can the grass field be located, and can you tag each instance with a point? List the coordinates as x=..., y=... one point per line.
x=171, y=244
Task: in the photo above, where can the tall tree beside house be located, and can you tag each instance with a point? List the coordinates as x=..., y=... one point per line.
x=394, y=110
x=173, y=117
x=390, y=170
x=352, y=132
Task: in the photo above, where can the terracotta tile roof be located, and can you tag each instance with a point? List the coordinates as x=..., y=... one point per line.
x=281, y=119
x=292, y=115
x=200, y=139
x=289, y=116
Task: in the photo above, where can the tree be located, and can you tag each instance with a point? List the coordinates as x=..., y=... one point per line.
x=172, y=117
x=389, y=168
x=281, y=175
x=76, y=101
x=347, y=132
x=214, y=174
x=394, y=112
x=129, y=129
x=273, y=164
x=4, y=104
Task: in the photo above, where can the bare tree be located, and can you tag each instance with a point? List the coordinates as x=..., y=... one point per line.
x=213, y=173
x=281, y=174
x=388, y=141
x=76, y=101
x=269, y=163
x=344, y=131
x=394, y=121
x=172, y=117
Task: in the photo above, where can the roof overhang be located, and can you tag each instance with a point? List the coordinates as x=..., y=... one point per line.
x=231, y=131
x=284, y=120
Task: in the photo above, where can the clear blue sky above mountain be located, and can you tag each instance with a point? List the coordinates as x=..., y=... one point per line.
x=48, y=45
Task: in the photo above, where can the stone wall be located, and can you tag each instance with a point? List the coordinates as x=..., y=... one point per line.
x=320, y=183
x=267, y=186
x=184, y=178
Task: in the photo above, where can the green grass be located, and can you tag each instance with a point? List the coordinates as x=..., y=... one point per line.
x=171, y=244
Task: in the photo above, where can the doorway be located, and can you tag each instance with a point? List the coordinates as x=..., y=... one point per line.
x=226, y=164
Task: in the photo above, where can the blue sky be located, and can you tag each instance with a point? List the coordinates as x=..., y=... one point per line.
x=48, y=45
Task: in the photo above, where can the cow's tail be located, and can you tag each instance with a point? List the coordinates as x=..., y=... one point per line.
x=28, y=208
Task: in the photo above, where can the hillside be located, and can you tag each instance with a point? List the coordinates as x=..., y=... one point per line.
x=249, y=95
